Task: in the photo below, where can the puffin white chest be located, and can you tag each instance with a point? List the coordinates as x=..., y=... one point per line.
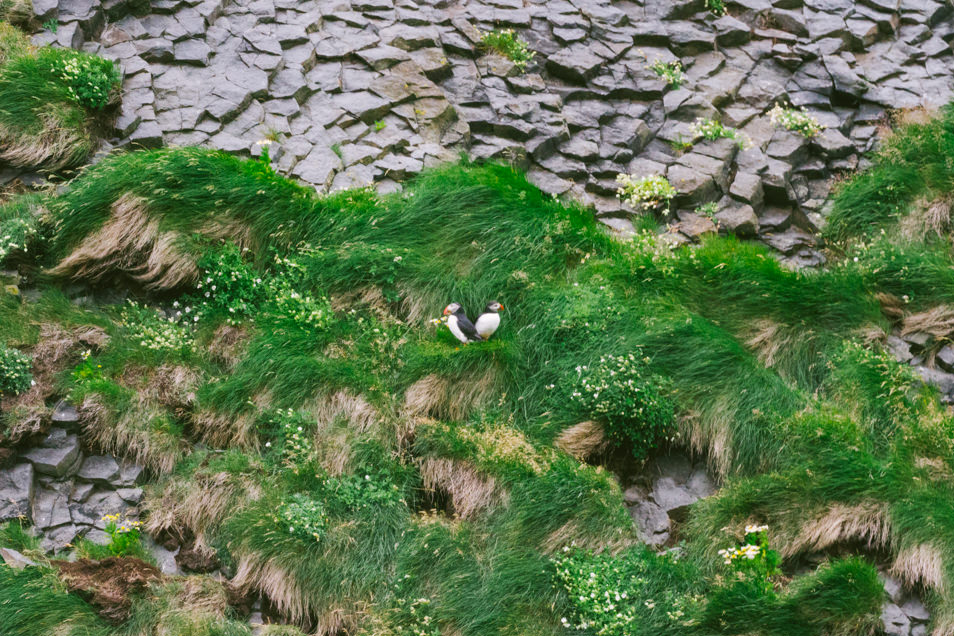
x=487, y=324
x=455, y=328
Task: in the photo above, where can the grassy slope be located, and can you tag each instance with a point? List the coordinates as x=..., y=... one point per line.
x=776, y=378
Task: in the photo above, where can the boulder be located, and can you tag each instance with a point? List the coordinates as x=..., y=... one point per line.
x=99, y=469
x=15, y=559
x=739, y=220
x=56, y=455
x=652, y=522
x=670, y=494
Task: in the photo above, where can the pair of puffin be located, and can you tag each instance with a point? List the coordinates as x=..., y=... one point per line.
x=467, y=331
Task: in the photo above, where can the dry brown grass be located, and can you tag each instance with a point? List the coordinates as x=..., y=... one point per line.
x=709, y=433
x=54, y=147
x=130, y=242
x=18, y=13
x=926, y=217
x=868, y=523
x=57, y=349
x=921, y=564
x=197, y=504
x=891, y=306
x=444, y=399
x=130, y=434
x=937, y=321
x=469, y=491
x=223, y=430
x=570, y=533
x=583, y=440
x=290, y=598
x=228, y=344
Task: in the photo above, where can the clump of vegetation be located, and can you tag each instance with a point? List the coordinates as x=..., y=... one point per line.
x=670, y=72
x=51, y=103
x=304, y=517
x=154, y=331
x=711, y=130
x=124, y=534
x=90, y=80
x=508, y=44
x=708, y=210
x=753, y=561
x=15, y=371
x=627, y=398
x=906, y=191
x=716, y=7
x=17, y=12
x=798, y=120
x=646, y=193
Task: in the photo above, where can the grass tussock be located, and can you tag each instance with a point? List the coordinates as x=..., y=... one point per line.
x=44, y=124
x=909, y=184
x=470, y=493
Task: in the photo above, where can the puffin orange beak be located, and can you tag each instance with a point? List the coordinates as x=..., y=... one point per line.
x=446, y=311
x=501, y=307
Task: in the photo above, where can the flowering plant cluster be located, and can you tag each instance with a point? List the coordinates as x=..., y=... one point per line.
x=290, y=437
x=16, y=235
x=303, y=310
x=230, y=287
x=370, y=489
x=796, y=119
x=304, y=517
x=716, y=7
x=670, y=72
x=123, y=534
x=712, y=130
x=89, y=79
x=612, y=596
x=15, y=371
x=753, y=558
x=505, y=42
x=154, y=331
x=630, y=401
x=646, y=193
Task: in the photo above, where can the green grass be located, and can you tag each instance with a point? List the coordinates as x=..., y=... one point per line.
x=34, y=602
x=914, y=163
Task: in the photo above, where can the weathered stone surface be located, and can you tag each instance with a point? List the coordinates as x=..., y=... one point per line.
x=15, y=559
x=57, y=454
x=99, y=469
x=652, y=522
x=739, y=220
x=16, y=492
x=894, y=621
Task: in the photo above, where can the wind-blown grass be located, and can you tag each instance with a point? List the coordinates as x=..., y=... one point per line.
x=912, y=169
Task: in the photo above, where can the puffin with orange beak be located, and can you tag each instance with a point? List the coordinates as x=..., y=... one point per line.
x=488, y=321
x=459, y=324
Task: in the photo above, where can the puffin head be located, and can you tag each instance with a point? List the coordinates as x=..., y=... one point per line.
x=494, y=307
x=452, y=308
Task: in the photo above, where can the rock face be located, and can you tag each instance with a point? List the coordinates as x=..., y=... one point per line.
x=61, y=494
x=903, y=613
x=373, y=91
x=662, y=493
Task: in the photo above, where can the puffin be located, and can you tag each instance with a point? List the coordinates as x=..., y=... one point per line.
x=459, y=324
x=487, y=322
